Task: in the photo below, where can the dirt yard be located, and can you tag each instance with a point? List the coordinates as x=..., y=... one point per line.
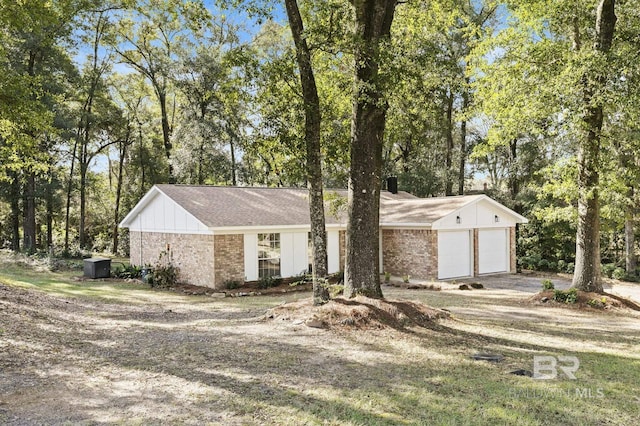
x=154, y=357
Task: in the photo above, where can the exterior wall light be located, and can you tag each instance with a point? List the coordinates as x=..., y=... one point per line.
x=458, y=220
x=496, y=218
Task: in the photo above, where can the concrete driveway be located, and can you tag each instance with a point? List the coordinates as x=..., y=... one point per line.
x=529, y=283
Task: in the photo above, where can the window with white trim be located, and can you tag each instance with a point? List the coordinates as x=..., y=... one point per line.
x=268, y=255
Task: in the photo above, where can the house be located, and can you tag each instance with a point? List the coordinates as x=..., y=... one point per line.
x=217, y=234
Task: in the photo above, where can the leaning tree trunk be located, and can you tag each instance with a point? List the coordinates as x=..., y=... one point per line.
x=314, y=165
x=587, y=276
x=362, y=265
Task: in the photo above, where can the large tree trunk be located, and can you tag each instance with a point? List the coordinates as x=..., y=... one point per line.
x=166, y=128
x=362, y=269
x=448, y=159
x=587, y=276
x=116, y=216
x=15, y=211
x=29, y=224
x=463, y=143
x=631, y=262
x=314, y=164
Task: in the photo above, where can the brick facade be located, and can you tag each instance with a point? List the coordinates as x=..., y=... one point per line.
x=411, y=252
x=210, y=261
x=193, y=254
x=229, y=259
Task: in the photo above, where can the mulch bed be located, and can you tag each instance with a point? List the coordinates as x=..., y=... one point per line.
x=586, y=300
x=359, y=313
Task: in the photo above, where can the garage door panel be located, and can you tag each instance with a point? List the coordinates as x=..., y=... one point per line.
x=492, y=251
x=454, y=254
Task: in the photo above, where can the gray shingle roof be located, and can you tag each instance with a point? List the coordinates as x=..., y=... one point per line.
x=220, y=206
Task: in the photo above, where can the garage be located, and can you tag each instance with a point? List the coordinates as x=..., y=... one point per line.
x=454, y=254
x=493, y=251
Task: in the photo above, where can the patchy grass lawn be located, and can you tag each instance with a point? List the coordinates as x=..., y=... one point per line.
x=115, y=352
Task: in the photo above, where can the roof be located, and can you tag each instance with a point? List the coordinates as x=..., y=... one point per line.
x=423, y=210
x=229, y=206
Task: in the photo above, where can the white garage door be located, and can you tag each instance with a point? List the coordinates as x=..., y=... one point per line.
x=454, y=254
x=493, y=249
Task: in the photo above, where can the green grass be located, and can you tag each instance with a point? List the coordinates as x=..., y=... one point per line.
x=371, y=377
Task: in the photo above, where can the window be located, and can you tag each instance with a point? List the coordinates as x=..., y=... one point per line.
x=268, y=255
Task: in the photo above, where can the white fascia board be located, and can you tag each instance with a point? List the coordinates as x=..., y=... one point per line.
x=405, y=225
x=171, y=231
x=221, y=230
x=146, y=199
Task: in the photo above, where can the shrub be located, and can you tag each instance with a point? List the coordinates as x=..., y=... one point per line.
x=562, y=265
x=126, y=272
x=231, y=284
x=570, y=268
x=607, y=269
x=547, y=285
x=618, y=274
x=566, y=296
x=406, y=278
x=543, y=264
x=164, y=276
x=387, y=277
x=268, y=282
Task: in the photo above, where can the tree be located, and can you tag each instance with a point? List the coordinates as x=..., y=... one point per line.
x=373, y=19
x=312, y=120
x=150, y=40
x=587, y=276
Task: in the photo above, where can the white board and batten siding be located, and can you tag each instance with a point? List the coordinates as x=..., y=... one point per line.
x=162, y=214
x=455, y=240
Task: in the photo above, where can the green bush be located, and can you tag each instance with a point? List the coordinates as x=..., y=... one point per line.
x=126, y=272
x=607, y=269
x=619, y=274
x=164, y=276
x=269, y=282
x=570, y=268
x=547, y=285
x=566, y=296
x=231, y=284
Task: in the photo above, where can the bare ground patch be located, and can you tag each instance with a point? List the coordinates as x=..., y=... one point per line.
x=160, y=358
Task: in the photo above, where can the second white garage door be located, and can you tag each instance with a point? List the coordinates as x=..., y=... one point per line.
x=493, y=251
x=454, y=254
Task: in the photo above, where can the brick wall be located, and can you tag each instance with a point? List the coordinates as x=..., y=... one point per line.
x=411, y=252
x=191, y=253
x=229, y=258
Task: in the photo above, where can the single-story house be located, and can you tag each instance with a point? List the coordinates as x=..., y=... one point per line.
x=217, y=234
